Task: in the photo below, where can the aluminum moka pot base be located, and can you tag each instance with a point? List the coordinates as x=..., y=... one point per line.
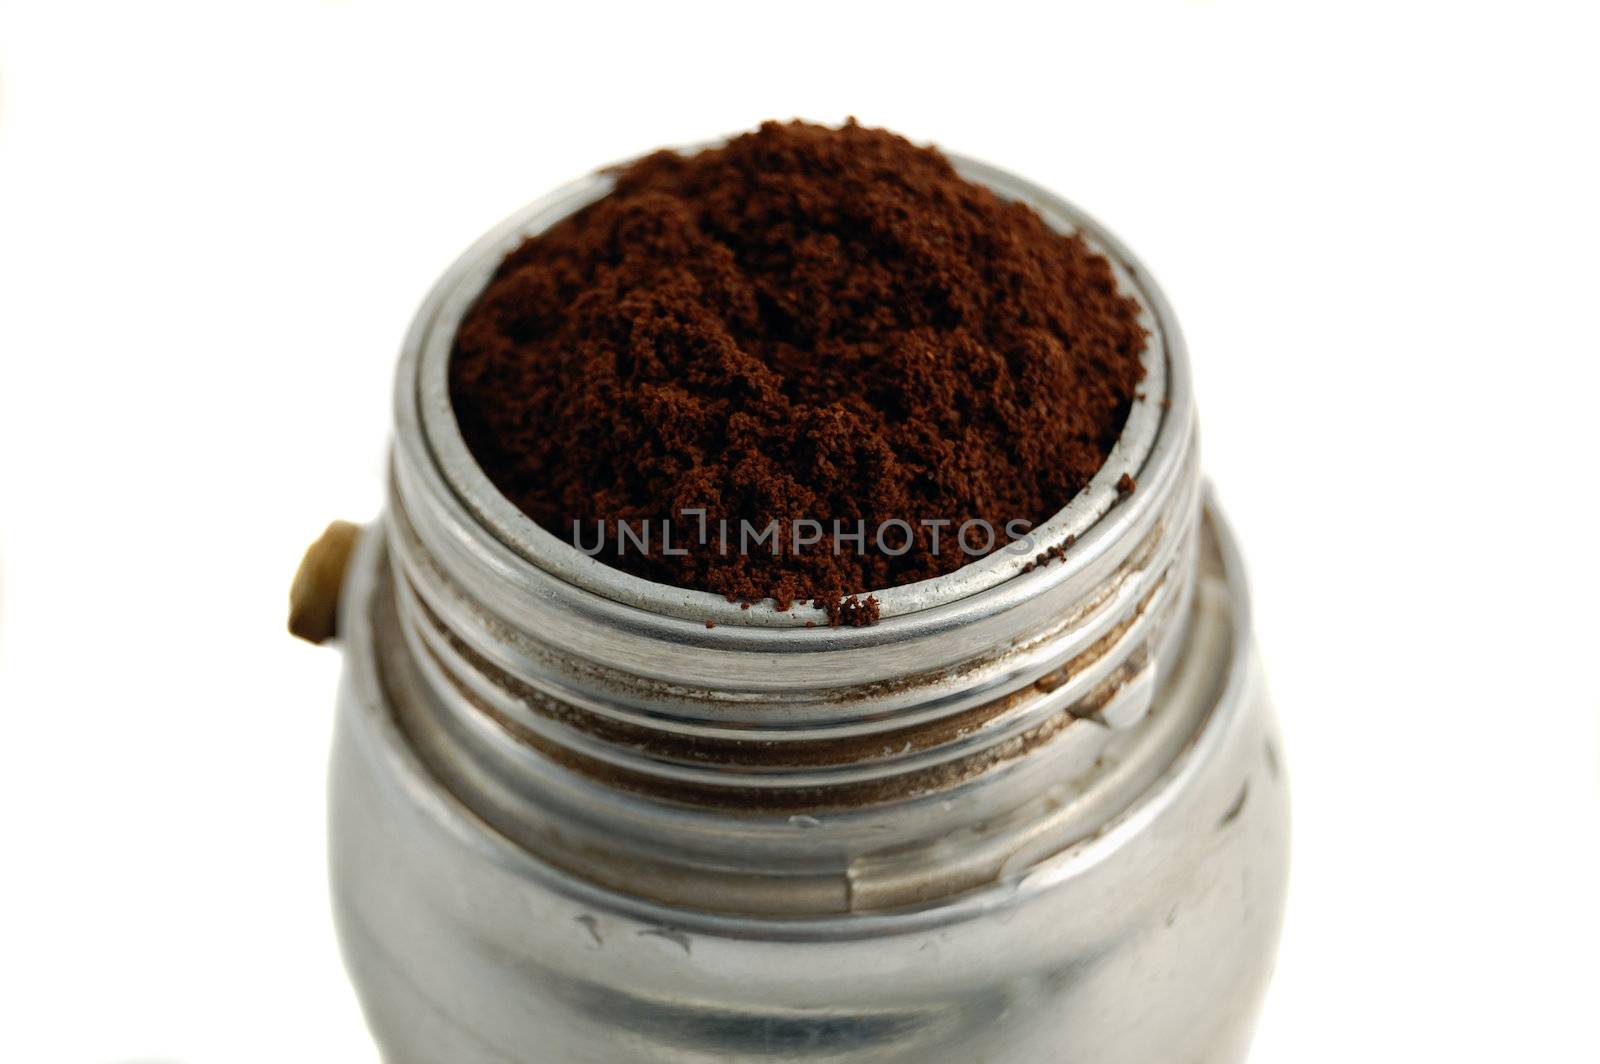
x=1033, y=815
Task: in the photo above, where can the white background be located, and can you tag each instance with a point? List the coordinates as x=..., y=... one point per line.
x=1379, y=228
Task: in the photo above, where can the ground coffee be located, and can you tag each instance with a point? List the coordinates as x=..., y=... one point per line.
x=805, y=325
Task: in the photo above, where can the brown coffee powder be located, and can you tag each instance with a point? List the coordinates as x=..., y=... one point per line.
x=806, y=324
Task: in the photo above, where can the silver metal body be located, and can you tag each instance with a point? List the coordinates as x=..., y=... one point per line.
x=1036, y=814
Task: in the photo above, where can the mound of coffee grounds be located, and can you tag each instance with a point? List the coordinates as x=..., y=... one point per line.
x=805, y=325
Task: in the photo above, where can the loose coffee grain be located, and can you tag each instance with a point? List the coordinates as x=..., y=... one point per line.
x=806, y=324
